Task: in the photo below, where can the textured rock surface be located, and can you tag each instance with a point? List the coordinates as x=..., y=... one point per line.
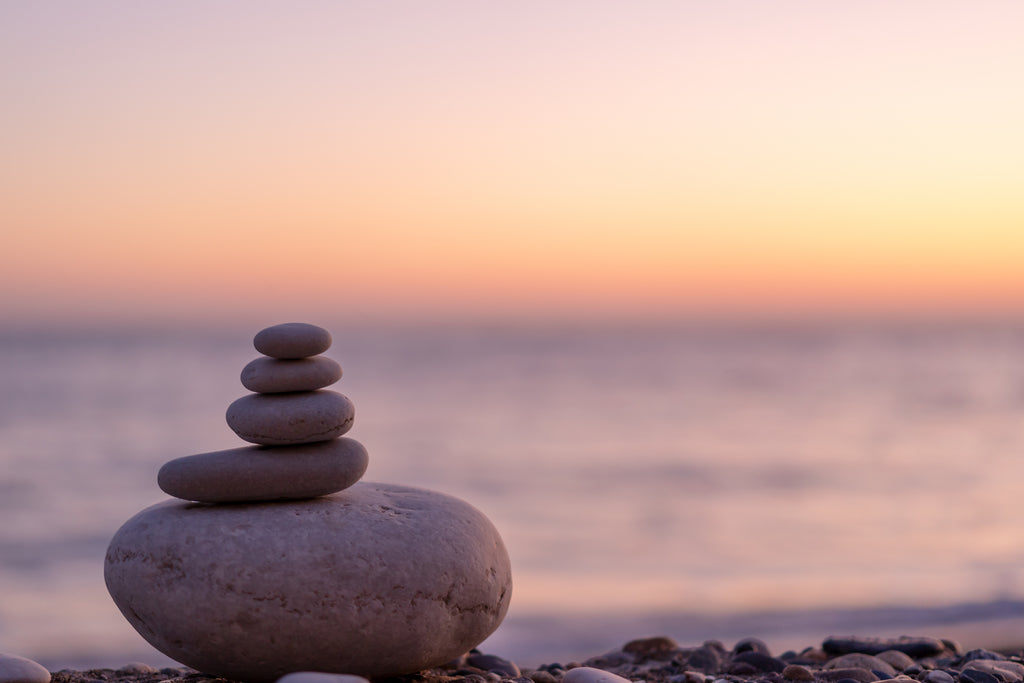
x=274, y=375
x=292, y=340
x=14, y=669
x=255, y=473
x=289, y=419
x=377, y=580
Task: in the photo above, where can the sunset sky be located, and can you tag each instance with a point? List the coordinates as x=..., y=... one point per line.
x=217, y=159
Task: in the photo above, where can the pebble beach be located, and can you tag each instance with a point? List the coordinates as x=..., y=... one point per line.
x=661, y=659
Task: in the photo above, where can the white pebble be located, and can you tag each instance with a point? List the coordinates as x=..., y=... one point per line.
x=586, y=674
x=320, y=677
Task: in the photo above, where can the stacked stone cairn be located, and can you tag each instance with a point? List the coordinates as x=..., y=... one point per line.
x=277, y=558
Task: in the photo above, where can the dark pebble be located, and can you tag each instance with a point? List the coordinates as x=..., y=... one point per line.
x=979, y=653
x=975, y=676
x=494, y=663
x=915, y=647
x=760, y=661
x=751, y=645
x=859, y=675
x=707, y=659
x=658, y=647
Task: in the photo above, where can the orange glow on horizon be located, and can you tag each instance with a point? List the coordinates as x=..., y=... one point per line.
x=661, y=158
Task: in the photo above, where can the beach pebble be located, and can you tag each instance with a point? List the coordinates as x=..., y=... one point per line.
x=937, y=676
x=896, y=659
x=1007, y=670
x=542, y=676
x=14, y=669
x=137, y=668
x=759, y=661
x=289, y=419
x=274, y=376
x=751, y=645
x=980, y=653
x=254, y=473
x=978, y=676
x=320, y=677
x=586, y=674
x=657, y=647
x=915, y=647
x=493, y=663
x=854, y=673
x=292, y=340
x=861, y=661
x=377, y=580
x=795, y=672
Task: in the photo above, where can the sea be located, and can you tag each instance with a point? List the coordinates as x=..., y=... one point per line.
x=703, y=480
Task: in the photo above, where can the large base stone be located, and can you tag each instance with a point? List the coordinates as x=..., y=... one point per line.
x=376, y=580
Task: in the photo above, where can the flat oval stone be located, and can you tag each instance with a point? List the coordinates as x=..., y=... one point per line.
x=14, y=669
x=377, y=580
x=292, y=340
x=255, y=473
x=289, y=419
x=275, y=375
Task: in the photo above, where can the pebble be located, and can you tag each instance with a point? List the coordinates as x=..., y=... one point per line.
x=289, y=419
x=859, y=660
x=1009, y=671
x=856, y=673
x=493, y=663
x=938, y=677
x=795, y=672
x=137, y=668
x=759, y=661
x=541, y=676
x=751, y=645
x=915, y=647
x=658, y=647
x=15, y=669
x=378, y=580
x=320, y=677
x=254, y=473
x=896, y=659
x=275, y=376
x=978, y=676
x=586, y=674
x=292, y=340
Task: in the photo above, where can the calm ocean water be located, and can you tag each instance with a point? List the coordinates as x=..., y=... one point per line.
x=783, y=481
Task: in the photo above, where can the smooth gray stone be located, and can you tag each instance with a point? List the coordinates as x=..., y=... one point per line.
x=14, y=669
x=274, y=375
x=320, y=677
x=292, y=340
x=255, y=473
x=377, y=580
x=586, y=674
x=290, y=419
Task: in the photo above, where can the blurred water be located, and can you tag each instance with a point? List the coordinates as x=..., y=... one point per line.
x=635, y=472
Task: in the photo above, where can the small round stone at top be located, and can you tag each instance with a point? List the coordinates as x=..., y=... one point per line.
x=292, y=340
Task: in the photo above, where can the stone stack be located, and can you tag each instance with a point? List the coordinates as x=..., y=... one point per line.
x=297, y=422
x=276, y=558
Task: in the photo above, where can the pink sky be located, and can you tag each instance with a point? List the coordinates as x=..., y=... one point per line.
x=167, y=160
